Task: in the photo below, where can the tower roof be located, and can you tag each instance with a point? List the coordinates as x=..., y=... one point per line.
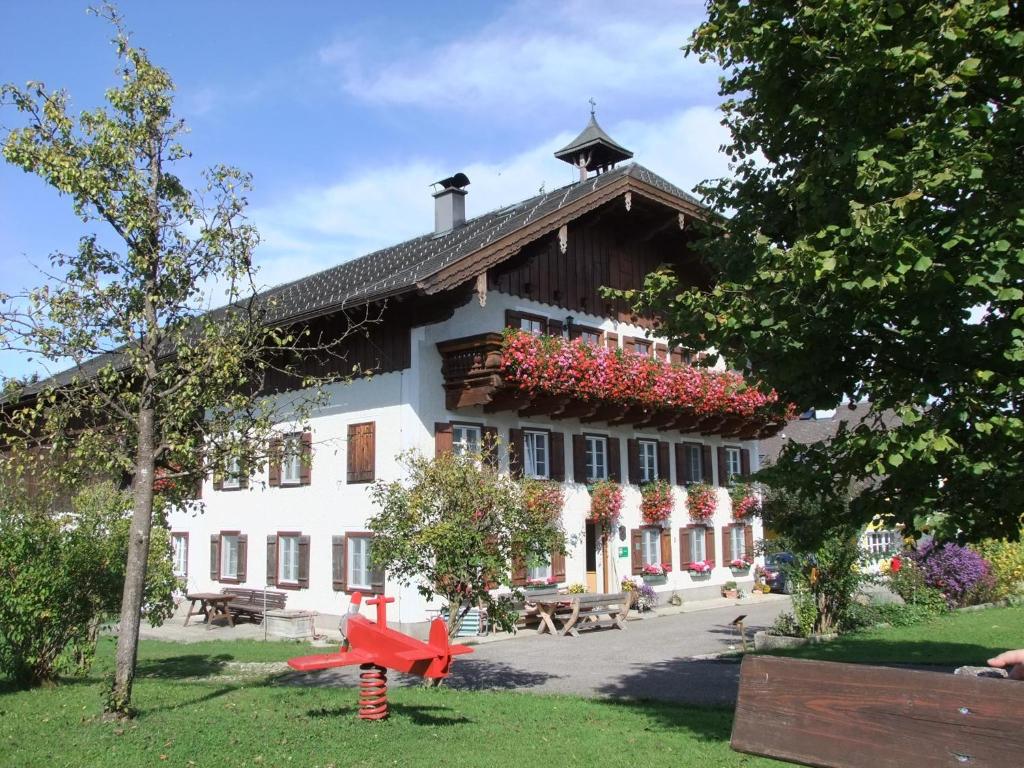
x=595, y=146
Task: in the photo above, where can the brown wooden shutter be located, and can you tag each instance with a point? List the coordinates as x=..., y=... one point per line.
x=628, y=343
x=745, y=462
x=558, y=566
x=516, y=452
x=709, y=545
x=555, y=327
x=272, y=561
x=303, y=562
x=676, y=355
x=442, y=438
x=707, y=464
x=633, y=460
x=519, y=572
x=685, y=548
x=661, y=351
x=611, y=340
x=579, y=458
x=215, y=557
x=489, y=449
x=512, y=319
x=306, y=458
x=666, y=546
x=663, y=461
x=748, y=539
x=682, y=465
x=556, y=446
x=636, y=541
x=274, y=466
x=723, y=467
x=614, y=460
x=338, y=563
x=726, y=544
x=243, y=557
x=218, y=480
x=361, y=452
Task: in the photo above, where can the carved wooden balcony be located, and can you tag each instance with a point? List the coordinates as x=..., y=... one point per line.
x=472, y=372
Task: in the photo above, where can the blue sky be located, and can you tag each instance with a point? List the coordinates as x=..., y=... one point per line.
x=345, y=112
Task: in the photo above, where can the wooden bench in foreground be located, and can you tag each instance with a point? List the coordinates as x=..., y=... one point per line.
x=252, y=603
x=830, y=715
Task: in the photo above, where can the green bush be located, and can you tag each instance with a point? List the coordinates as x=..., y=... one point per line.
x=1006, y=559
x=61, y=576
x=909, y=583
x=863, y=616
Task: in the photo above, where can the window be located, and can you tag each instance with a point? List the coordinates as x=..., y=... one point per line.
x=695, y=461
x=539, y=572
x=648, y=460
x=698, y=551
x=534, y=325
x=535, y=445
x=229, y=556
x=288, y=559
x=291, y=459
x=597, y=457
x=358, y=563
x=882, y=543
x=738, y=541
x=733, y=466
x=179, y=549
x=651, y=546
x=232, y=473
x=466, y=439
x=642, y=347
x=588, y=335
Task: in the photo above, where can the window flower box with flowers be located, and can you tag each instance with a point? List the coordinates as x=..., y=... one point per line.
x=606, y=503
x=702, y=502
x=656, y=502
x=550, y=365
x=545, y=584
x=656, y=573
x=746, y=501
x=700, y=569
x=742, y=564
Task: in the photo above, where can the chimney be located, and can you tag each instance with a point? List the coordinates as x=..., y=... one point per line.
x=450, y=203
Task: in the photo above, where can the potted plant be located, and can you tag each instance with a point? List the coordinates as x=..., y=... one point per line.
x=656, y=573
x=702, y=501
x=741, y=564
x=656, y=502
x=699, y=569
x=730, y=590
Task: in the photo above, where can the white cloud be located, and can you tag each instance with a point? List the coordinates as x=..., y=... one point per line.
x=537, y=53
x=321, y=226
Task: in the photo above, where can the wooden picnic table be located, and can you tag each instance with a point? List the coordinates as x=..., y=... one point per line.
x=571, y=608
x=213, y=605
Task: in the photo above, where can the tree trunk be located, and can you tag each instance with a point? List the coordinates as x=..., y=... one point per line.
x=135, y=572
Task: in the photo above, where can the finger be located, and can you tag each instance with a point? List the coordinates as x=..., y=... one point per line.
x=1007, y=657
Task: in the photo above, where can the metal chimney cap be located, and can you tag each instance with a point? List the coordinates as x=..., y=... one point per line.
x=458, y=181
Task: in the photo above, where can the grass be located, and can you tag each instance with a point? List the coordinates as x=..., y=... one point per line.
x=191, y=713
x=956, y=639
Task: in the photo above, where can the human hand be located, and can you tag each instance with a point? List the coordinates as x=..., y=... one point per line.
x=1010, y=658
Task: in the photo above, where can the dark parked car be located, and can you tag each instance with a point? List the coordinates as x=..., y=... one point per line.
x=775, y=572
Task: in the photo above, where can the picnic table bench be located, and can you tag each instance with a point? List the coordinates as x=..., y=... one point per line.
x=575, y=610
x=254, y=602
x=831, y=715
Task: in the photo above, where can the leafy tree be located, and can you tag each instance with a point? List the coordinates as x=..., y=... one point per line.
x=456, y=529
x=157, y=383
x=875, y=248
x=62, y=574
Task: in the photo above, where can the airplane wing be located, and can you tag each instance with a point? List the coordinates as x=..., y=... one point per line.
x=329, y=660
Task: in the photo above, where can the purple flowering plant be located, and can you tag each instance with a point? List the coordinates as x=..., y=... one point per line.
x=953, y=570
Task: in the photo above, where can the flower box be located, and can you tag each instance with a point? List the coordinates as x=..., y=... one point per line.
x=654, y=578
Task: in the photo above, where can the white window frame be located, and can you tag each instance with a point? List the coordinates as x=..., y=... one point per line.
x=232, y=473
x=733, y=462
x=540, y=572
x=648, y=459
x=364, y=545
x=883, y=542
x=228, y=549
x=596, y=449
x=695, y=458
x=738, y=541
x=287, y=559
x=534, y=325
x=179, y=548
x=650, y=546
x=467, y=439
x=698, y=544
x=648, y=347
x=537, y=450
x=291, y=459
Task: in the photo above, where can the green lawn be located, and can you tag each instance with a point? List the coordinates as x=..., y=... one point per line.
x=956, y=639
x=195, y=711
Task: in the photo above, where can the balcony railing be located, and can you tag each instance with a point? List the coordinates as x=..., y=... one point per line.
x=473, y=376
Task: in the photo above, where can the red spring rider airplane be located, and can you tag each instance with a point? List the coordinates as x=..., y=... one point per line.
x=375, y=648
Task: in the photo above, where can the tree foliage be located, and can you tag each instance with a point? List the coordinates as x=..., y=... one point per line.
x=456, y=529
x=156, y=381
x=61, y=576
x=875, y=248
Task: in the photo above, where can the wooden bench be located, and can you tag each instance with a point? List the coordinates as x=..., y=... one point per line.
x=830, y=715
x=581, y=610
x=252, y=603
